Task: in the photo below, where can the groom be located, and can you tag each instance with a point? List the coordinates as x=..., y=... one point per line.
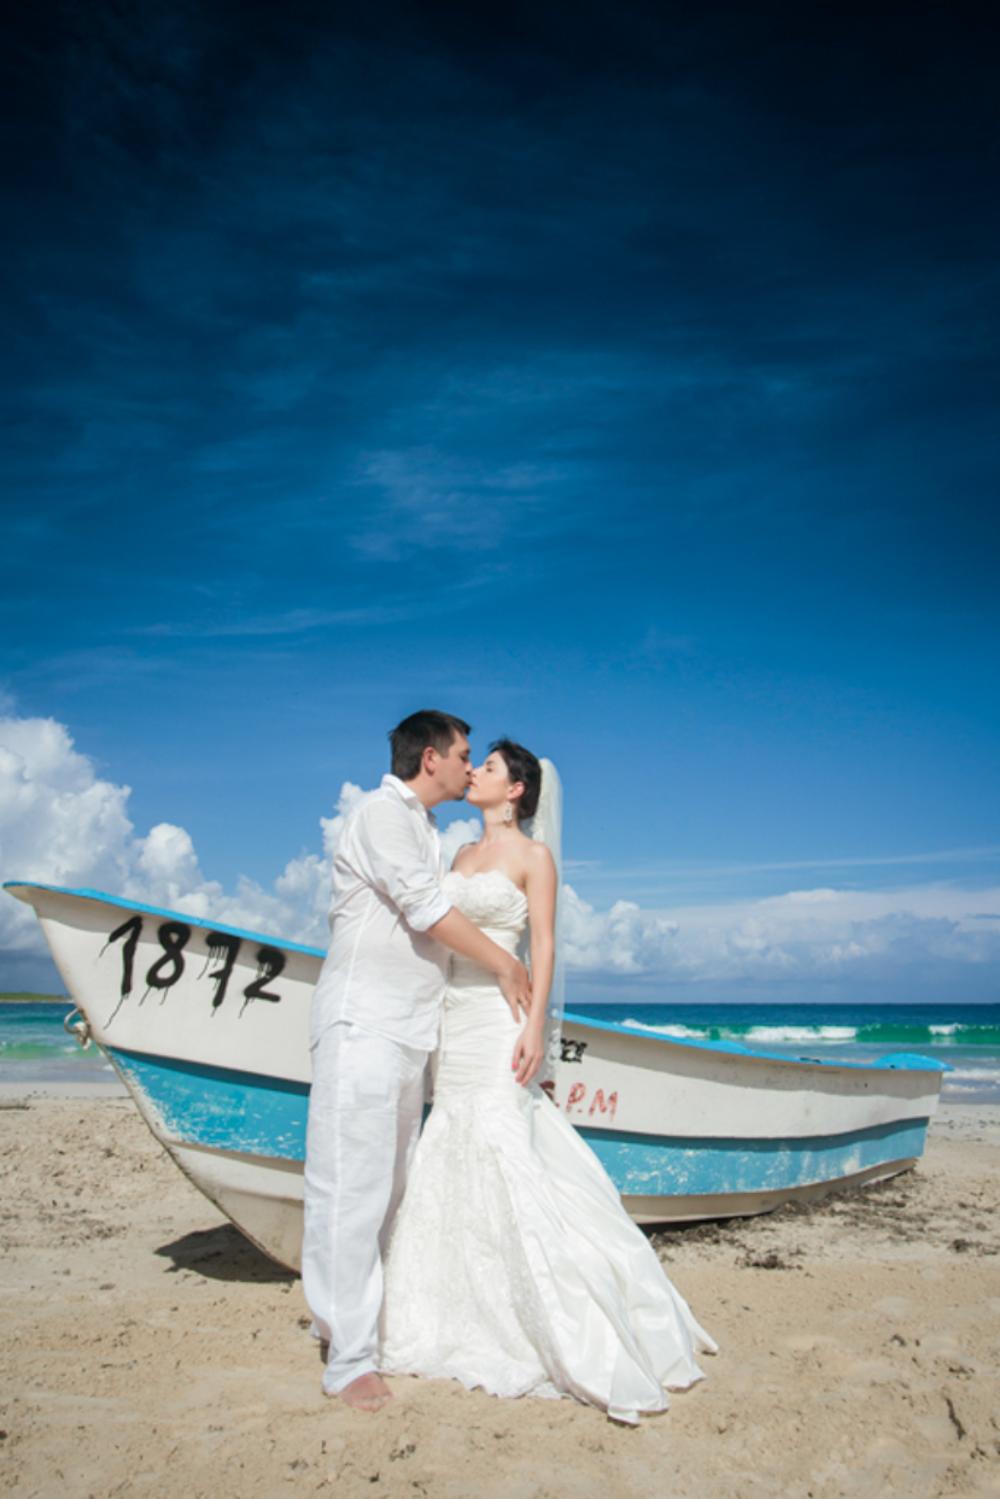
x=374, y=1023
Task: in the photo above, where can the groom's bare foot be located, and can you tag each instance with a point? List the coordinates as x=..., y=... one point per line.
x=369, y=1392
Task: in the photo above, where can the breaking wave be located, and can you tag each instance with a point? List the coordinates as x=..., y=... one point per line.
x=878, y=1033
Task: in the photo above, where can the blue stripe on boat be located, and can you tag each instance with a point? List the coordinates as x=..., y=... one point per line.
x=669, y=1167
x=219, y=1108
x=247, y=1114
x=85, y=893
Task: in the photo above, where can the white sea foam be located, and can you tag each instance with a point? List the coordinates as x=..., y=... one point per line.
x=680, y=1032
x=944, y=1030
x=810, y=1033
x=777, y=1033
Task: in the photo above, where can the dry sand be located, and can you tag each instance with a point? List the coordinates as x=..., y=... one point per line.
x=149, y=1350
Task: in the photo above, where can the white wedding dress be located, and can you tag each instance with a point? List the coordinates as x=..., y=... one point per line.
x=512, y=1265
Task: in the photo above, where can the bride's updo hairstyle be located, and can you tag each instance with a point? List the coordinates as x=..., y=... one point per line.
x=522, y=766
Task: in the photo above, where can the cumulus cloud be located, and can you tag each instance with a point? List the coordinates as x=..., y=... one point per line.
x=61, y=823
x=805, y=934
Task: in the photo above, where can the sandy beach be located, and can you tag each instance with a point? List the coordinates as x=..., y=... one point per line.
x=148, y=1349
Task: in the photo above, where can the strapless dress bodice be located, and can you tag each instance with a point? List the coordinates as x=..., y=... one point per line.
x=493, y=903
x=489, y=898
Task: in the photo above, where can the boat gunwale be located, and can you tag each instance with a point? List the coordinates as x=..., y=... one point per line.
x=898, y=1061
x=85, y=893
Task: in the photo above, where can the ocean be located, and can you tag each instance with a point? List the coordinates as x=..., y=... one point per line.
x=34, y=1048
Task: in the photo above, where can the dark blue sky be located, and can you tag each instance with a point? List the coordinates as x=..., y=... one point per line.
x=622, y=377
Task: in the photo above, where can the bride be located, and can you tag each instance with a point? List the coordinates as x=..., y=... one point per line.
x=513, y=1266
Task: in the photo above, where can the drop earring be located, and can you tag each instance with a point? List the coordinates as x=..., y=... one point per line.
x=508, y=812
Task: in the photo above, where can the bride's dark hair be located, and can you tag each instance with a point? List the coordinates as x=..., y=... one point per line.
x=523, y=766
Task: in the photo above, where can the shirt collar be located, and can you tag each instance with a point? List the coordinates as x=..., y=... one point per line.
x=405, y=794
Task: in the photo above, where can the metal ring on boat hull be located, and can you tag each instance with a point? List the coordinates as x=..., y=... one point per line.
x=78, y=1029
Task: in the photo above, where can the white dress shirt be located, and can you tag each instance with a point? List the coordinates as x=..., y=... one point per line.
x=381, y=972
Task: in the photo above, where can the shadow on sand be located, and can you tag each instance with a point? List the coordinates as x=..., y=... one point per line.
x=222, y=1253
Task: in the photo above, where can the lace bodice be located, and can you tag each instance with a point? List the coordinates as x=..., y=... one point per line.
x=490, y=899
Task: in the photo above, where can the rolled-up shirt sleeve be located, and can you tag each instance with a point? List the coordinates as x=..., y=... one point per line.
x=388, y=848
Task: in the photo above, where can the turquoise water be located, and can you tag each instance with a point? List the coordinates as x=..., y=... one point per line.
x=35, y=1048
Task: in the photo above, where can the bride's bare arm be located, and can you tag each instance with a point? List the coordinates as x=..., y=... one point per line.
x=462, y=936
x=540, y=888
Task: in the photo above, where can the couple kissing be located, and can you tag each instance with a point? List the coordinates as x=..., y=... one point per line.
x=490, y=1247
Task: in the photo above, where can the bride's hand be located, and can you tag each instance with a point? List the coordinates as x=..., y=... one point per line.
x=529, y=1053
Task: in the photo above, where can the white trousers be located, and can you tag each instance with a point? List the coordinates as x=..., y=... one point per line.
x=365, y=1108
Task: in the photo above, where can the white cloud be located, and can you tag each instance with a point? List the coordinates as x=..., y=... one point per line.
x=455, y=836
x=430, y=499
x=822, y=934
x=61, y=823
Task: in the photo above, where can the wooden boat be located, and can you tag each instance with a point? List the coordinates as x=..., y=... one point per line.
x=207, y=1026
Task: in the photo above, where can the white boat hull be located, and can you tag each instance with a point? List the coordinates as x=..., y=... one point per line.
x=208, y=1028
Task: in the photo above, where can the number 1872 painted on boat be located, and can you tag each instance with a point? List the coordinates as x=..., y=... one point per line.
x=167, y=969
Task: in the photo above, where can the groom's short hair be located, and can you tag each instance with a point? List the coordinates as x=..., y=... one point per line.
x=423, y=730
